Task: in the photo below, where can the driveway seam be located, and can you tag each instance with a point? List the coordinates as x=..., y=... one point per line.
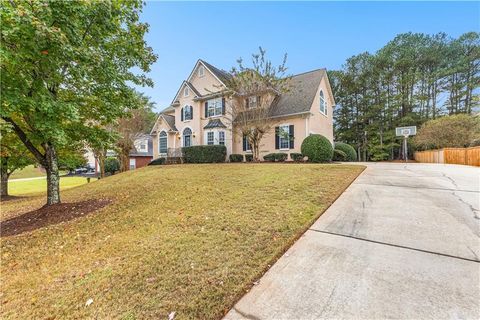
x=395, y=245
x=411, y=187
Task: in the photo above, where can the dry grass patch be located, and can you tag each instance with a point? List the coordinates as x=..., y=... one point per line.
x=189, y=239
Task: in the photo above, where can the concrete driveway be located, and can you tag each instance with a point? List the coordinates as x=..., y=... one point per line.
x=403, y=241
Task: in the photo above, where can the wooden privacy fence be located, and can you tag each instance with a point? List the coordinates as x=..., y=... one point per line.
x=469, y=156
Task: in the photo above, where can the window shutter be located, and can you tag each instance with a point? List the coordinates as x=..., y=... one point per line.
x=223, y=105
x=277, y=138
x=191, y=112
x=181, y=116
x=291, y=137
x=244, y=143
x=206, y=109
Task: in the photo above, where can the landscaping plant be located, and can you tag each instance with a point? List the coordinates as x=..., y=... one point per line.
x=350, y=153
x=317, y=148
x=204, y=154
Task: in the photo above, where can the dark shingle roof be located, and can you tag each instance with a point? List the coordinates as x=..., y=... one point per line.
x=220, y=74
x=303, y=88
x=170, y=119
x=198, y=94
x=214, y=123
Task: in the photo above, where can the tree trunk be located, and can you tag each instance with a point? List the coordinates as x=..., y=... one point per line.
x=4, y=177
x=53, y=179
x=124, y=159
x=101, y=164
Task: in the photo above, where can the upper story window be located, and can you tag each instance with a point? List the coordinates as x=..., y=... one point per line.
x=186, y=91
x=252, y=102
x=323, y=103
x=187, y=113
x=214, y=107
x=201, y=71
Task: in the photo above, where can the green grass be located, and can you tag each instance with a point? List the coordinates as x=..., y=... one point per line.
x=185, y=238
x=27, y=172
x=31, y=187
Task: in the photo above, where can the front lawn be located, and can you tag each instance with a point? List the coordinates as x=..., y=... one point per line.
x=189, y=239
x=36, y=186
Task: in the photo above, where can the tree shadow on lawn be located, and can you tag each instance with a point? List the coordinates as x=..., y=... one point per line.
x=49, y=215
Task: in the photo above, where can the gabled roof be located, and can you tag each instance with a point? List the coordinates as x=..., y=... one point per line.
x=222, y=75
x=299, y=99
x=188, y=84
x=170, y=120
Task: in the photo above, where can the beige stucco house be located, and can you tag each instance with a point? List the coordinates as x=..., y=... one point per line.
x=197, y=114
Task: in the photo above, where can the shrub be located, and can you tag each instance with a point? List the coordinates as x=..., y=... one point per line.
x=317, y=148
x=112, y=165
x=297, y=157
x=204, y=154
x=249, y=157
x=351, y=154
x=235, y=157
x=157, y=162
x=276, y=157
x=339, y=155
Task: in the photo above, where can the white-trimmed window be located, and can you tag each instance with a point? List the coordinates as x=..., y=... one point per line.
x=210, y=138
x=214, y=107
x=162, y=143
x=221, y=137
x=323, y=103
x=284, y=137
x=187, y=137
x=187, y=113
x=186, y=91
x=201, y=71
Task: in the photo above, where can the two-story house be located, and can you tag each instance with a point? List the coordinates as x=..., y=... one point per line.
x=198, y=114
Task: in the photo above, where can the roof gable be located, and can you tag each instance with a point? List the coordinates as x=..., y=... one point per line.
x=218, y=74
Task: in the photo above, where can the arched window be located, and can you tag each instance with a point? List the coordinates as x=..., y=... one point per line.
x=187, y=113
x=187, y=137
x=162, y=143
x=323, y=103
x=186, y=91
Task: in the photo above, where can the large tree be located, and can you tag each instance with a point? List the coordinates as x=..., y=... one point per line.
x=66, y=66
x=13, y=156
x=251, y=91
x=412, y=79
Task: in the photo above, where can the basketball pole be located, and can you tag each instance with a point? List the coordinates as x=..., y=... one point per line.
x=405, y=148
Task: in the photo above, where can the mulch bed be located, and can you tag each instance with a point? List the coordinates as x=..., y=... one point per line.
x=49, y=215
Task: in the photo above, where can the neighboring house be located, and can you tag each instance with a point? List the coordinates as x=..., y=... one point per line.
x=140, y=156
x=199, y=114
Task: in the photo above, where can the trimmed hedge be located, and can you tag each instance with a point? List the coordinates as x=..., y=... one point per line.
x=249, y=157
x=297, y=157
x=317, y=148
x=158, y=161
x=235, y=157
x=204, y=154
x=351, y=154
x=276, y=157
x=339, y=155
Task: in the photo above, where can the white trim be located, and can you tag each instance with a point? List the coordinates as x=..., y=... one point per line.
x=191, y=136
x=279, y=138
x=166, y=135
x=213, y=74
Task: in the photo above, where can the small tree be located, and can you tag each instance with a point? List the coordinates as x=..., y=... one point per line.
x=131, y=127
x=251, y=92
x=459, y=130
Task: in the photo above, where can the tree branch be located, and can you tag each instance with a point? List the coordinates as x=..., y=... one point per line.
x=23, y=137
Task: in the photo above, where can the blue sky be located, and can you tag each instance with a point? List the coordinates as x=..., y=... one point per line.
x=313, y=34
